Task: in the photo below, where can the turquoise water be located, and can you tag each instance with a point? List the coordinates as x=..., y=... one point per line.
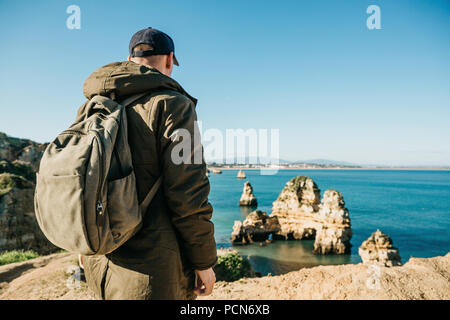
x=412, y=207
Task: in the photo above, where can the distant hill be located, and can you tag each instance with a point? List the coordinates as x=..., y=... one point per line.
x=326, y=162
x=318, y=162
x=262, y=160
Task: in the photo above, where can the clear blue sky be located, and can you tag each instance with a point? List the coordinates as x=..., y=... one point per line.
x=334, y=88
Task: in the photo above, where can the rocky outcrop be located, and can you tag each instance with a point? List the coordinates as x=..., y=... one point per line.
x=19, y=168
x=18, y=225
x=247, y=197
x=418, y=279
x=378, y=249
x=19, y=159
x=241, y=175
x=45, y=278
x=299, y=194
x=299, y=214
x=334, y=232
x=296, y=209
x=258, y=226
x=216, y=171
x=25, y=150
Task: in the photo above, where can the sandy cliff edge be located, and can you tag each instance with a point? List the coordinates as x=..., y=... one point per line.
x=419, y=278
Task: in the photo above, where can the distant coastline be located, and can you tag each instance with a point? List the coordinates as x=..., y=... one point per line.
x=243, y=167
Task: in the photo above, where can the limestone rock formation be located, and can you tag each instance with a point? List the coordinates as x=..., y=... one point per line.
x=256, y=227
x=334, y=232
x=19, y=159
x=241, y=175
x=296, y=209
x=378, y=249
x=18, y=167
x=18, y=225
x=247, y=197
x=237, y=235
x=216, y=171
x=298, y=214
x=25, y=150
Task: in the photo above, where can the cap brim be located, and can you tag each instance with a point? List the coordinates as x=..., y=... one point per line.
x=175, y=61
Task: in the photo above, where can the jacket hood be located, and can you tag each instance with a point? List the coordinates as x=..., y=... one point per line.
x=120, y=79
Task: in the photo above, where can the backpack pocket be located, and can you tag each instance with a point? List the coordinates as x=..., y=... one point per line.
x=123, y=210
x=61, y=215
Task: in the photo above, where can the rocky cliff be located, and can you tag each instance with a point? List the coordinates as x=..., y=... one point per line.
x=419, y=278
x=27, y=151
x=19, y=159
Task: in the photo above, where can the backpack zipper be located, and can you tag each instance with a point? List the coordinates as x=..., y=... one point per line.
x=99, y=205
x=99, y=210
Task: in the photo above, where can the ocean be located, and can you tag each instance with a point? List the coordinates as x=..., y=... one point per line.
x=411, y=206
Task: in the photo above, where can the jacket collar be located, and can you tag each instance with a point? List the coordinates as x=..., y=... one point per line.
x=120, y=79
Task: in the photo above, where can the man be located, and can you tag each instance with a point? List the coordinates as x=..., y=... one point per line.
x=176, y=243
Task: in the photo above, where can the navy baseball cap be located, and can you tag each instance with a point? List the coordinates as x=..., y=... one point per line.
x=161, y=43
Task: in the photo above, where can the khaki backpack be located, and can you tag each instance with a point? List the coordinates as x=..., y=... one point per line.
x=86, y=198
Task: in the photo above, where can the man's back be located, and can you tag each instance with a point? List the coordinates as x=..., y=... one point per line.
x=177, y=235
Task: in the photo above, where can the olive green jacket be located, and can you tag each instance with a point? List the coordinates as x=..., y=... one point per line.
x=177, y=235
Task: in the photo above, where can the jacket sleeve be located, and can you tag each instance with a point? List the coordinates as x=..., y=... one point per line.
x=185, y=184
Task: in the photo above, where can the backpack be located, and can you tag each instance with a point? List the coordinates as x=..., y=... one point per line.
x=86, y=196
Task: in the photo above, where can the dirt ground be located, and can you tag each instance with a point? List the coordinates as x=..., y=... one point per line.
x=43, y=278
x=50, y=278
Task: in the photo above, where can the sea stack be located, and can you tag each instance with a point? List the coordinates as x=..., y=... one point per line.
x=334, y=232
x=296, y=209
x=256, y=227
x=248, y=198
x=378, y=249
x=216, y=171
x=241, y=175
x=299, y=214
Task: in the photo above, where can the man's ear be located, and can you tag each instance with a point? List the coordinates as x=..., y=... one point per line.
x=169, y=60
x=129, y=58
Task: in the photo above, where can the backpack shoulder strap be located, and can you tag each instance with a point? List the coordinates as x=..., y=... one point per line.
x=148, y=198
